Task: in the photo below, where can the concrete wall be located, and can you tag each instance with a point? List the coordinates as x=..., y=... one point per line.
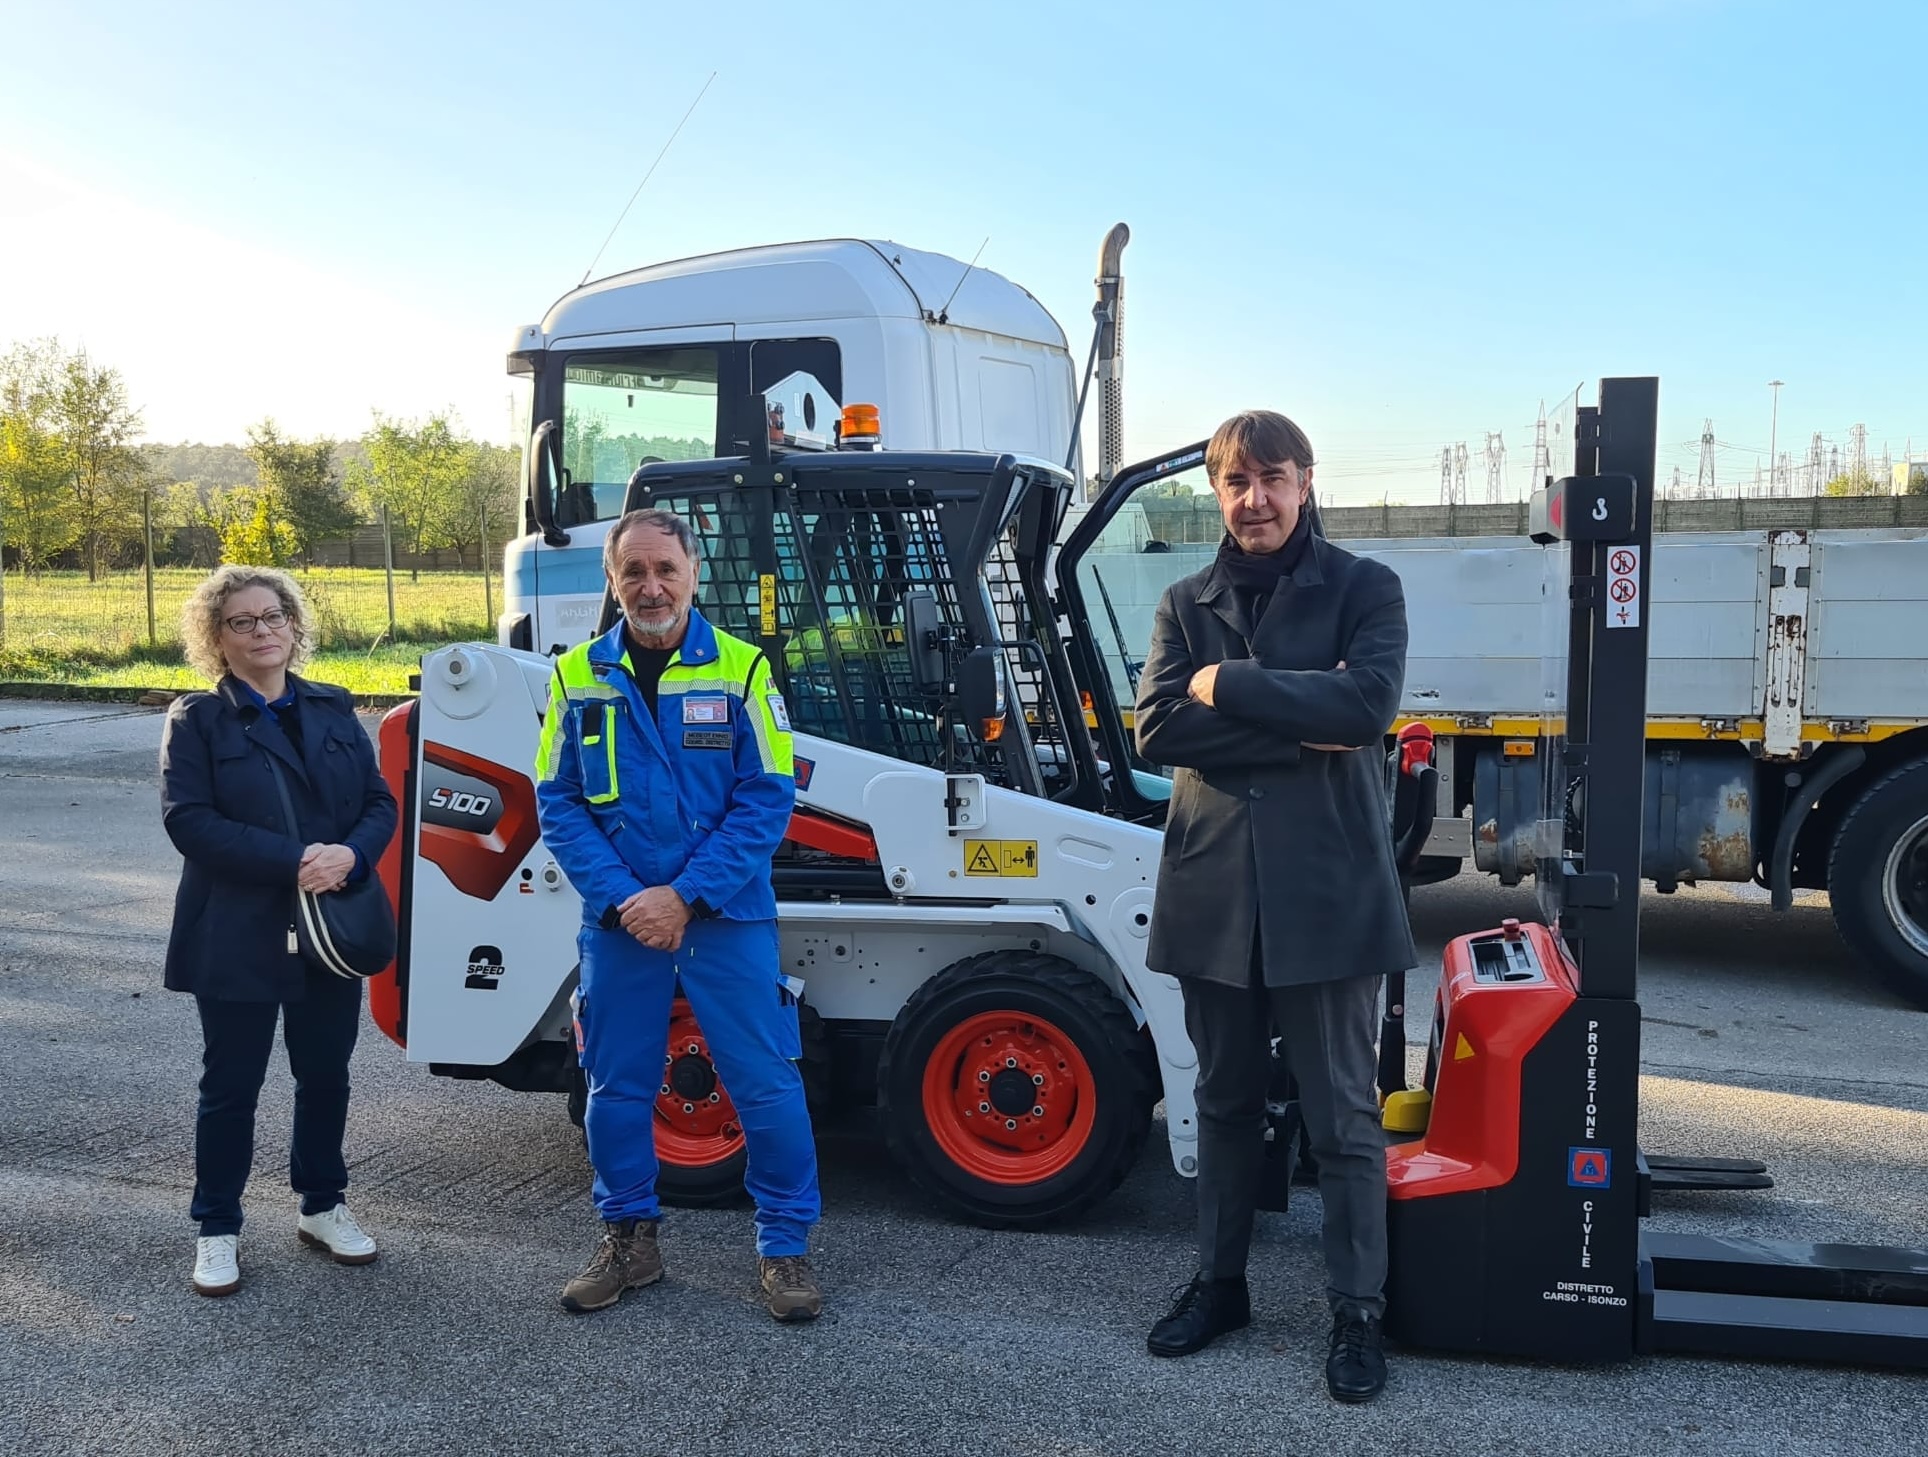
x=1196, y=519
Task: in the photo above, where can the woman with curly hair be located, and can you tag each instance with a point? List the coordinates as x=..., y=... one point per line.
x=233, y=940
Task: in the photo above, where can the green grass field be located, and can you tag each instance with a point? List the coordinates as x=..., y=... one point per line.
x=60, y=628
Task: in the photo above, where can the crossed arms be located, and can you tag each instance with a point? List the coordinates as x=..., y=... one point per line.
x=1245, y=716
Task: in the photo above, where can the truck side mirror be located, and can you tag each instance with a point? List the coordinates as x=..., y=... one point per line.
x=924, y=641
x=980, y=686
x=545, y=474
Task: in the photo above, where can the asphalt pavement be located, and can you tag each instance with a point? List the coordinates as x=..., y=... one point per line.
x=1761, y=1039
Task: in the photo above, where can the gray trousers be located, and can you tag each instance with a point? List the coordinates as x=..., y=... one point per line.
x=1328, y=1036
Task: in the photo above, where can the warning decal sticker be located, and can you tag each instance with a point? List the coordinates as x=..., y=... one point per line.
x=1623, y=587
x=1001, y=857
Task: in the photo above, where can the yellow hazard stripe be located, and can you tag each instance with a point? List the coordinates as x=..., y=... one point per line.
x=1814, y=731
x=1820, y=731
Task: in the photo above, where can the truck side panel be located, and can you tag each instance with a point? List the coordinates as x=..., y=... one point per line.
x=1708, y=598
x=1868, y=635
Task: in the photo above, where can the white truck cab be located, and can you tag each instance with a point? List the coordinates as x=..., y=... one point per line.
x=675, y=361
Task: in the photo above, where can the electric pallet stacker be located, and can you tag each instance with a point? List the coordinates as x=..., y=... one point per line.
x=1515, y=1219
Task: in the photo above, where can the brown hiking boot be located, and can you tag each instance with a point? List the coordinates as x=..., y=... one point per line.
x=627, y=1259
x=789, y=1289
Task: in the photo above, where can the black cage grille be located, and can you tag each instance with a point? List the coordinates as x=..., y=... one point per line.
x=845, y=558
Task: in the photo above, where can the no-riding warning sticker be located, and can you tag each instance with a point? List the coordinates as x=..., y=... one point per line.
x=1623, y=587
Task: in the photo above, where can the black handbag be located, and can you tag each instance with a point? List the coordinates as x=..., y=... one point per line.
x=350, y=931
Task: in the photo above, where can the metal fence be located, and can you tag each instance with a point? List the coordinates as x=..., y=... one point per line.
x=57, y=626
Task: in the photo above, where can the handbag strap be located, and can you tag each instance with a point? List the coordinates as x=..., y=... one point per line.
x=287, y=805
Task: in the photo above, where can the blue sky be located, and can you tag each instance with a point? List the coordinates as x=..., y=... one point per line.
x=1404, y=224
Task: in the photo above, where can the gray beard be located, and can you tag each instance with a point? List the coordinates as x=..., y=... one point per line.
x=673, y=626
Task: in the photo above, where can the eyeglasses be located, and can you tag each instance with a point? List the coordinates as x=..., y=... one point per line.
x=274, y=617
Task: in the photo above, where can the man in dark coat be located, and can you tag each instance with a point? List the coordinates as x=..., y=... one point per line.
x=1279, y=906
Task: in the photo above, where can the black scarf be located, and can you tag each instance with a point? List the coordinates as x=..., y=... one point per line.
x=1261, y=573
x=1253, y=578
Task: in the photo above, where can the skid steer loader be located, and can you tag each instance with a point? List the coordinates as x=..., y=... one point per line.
x=966, y=889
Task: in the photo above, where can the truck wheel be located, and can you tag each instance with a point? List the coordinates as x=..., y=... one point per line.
x=1015, y=1090
x=699, y=1142
x=1878, y=880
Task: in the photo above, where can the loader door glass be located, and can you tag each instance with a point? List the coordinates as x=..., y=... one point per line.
x=1167, y=530
x=624, y=407
x=1156, y=522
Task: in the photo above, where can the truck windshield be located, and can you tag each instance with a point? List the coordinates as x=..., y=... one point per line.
x=623, y=408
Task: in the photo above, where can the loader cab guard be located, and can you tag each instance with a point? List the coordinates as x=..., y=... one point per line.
x=900, y=597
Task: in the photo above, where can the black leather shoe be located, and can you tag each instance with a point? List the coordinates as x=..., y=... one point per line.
x=1355, y=1368
x=1201, y=1312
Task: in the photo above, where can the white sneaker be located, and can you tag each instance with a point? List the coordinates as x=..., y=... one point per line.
x=336, y=1232
x=217, y=1270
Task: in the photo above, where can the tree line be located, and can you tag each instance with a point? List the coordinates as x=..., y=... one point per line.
x=78, y=488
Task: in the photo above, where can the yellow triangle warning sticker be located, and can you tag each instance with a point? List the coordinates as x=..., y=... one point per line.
x=980, y=861
x=1462, y=1049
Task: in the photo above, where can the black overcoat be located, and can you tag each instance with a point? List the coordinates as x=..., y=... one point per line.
x=1264, y=833
x=236, y=900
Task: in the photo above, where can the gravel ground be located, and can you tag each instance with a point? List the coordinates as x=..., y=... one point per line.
x=1761, y=1039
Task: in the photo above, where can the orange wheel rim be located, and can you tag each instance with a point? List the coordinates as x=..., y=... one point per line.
x=696, y=1124
x=1009, y=1098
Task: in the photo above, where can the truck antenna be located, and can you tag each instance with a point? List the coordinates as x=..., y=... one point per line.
x=943, y=315
x=640, y=185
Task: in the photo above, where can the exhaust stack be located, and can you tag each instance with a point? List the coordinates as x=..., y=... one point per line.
x=1109, y=346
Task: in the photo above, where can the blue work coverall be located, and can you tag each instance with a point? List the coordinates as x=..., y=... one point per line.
x=696, y=796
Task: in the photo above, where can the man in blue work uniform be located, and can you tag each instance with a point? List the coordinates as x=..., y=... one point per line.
x=664, y=785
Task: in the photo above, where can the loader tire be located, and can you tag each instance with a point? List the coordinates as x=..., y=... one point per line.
x=1015, y=1090
x=819, y=1080
x=1878, y=879
x=578, y=1093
